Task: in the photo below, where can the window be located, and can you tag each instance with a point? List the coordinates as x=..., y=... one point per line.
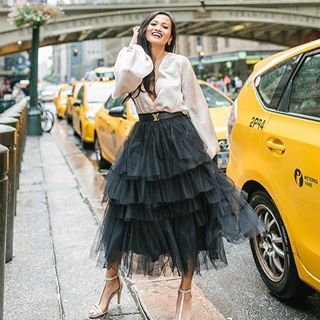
x=114, y=102
x=305, y=92
x=80, y=94
x=98, y=92
x=214, y=99
x=65, y=92
x=271, y=84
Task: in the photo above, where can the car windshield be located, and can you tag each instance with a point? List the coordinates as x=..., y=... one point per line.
x=98, y=93
x=214, y=99
x=119, y=102
x=65, y=92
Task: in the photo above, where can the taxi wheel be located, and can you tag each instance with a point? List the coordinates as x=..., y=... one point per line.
x=273, y=255
x=103, y=164
x=59, y=117
x=87, y=145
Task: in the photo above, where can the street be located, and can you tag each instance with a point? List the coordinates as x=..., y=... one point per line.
x=237, y=291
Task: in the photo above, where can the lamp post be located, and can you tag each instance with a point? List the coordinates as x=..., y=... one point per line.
x=34, y=121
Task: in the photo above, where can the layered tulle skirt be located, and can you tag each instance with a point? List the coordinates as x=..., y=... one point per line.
x=168, y=205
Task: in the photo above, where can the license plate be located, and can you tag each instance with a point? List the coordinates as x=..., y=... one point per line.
x=222, y=159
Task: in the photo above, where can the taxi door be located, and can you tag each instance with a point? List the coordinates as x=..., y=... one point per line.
x=125, y=125
x=117, y=128
x=291, y=156
x=106, y=131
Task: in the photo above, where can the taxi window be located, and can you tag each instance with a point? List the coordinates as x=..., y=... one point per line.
x=65, y=92
x=114, y=102
x=214, y=99
x=80, y=94
x=271, y=84
x=305, y=93
x=98, y=92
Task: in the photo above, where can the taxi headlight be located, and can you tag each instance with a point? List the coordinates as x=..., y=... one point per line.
x=90, y=115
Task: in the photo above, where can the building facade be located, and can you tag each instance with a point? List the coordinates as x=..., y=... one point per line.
x=215, y=56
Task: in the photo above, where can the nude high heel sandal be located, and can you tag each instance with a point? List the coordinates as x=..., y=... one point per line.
x=181, y=305
x=98, y=312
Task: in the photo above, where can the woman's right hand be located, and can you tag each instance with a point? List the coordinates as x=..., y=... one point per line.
x=134, y=39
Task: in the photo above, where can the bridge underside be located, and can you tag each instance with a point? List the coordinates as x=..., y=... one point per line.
x=273, y=23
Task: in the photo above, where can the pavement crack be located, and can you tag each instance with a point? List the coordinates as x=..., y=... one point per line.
x=54, y=257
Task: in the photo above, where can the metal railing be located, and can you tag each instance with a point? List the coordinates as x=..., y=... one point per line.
x=13, y=122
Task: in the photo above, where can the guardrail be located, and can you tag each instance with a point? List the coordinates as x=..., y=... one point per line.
x=13, y=130
x=4, y=164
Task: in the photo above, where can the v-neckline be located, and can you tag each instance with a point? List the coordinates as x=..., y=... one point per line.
x=156, y=82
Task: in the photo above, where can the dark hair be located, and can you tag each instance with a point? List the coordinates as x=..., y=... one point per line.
x=143, y=42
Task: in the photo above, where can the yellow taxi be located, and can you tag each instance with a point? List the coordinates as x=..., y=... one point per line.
x=60, y=99
x=274, y=157
x=114, y=122
x=71, y=99
x=219, y=109
x=90, y=98
x=104, y=73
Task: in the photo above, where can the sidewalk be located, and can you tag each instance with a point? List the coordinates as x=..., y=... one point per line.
x=51, y=276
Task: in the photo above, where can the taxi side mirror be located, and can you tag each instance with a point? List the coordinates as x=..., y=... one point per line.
x=117, y=112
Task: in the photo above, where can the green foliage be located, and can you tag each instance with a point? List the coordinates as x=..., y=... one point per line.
x=32, y=14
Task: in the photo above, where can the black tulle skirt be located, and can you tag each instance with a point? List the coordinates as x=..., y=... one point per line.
x=168, y=205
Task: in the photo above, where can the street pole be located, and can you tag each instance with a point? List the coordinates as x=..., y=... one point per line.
x=34, y=121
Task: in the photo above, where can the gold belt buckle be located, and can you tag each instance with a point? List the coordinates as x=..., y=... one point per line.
x=156, y=116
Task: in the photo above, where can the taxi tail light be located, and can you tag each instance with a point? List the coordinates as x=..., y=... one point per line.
x=232, y=118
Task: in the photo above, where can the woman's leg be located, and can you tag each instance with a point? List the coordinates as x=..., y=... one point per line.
x=183, y=307
x=186, y=282
x=108, y=290
x=111, y=286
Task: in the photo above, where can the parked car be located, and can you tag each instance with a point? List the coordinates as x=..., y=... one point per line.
x=71, y=99
x=112, y=126
x=104, y=74
x=90, y=98
x=114, y=122
x=60, y=99
x=219, y=108
x=99, y=74
x=274, y=157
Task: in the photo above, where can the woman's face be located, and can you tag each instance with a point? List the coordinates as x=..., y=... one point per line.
x=159, y=30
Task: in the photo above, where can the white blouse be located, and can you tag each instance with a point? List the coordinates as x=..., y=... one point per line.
x=177, y=89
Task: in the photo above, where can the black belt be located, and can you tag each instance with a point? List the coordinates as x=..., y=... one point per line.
x=156, y=116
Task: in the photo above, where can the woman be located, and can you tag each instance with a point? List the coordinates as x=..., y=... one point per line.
x=168, y=204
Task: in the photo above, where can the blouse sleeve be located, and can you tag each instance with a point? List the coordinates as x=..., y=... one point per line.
x=131, y=66
x=195, y=101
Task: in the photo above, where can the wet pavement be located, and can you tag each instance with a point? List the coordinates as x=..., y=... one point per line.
x=51, y=276
x=58, y=210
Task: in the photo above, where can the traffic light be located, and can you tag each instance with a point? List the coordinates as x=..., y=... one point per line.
x=75, y=51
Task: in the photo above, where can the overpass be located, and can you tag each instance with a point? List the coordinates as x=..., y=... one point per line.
x=284, y=22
